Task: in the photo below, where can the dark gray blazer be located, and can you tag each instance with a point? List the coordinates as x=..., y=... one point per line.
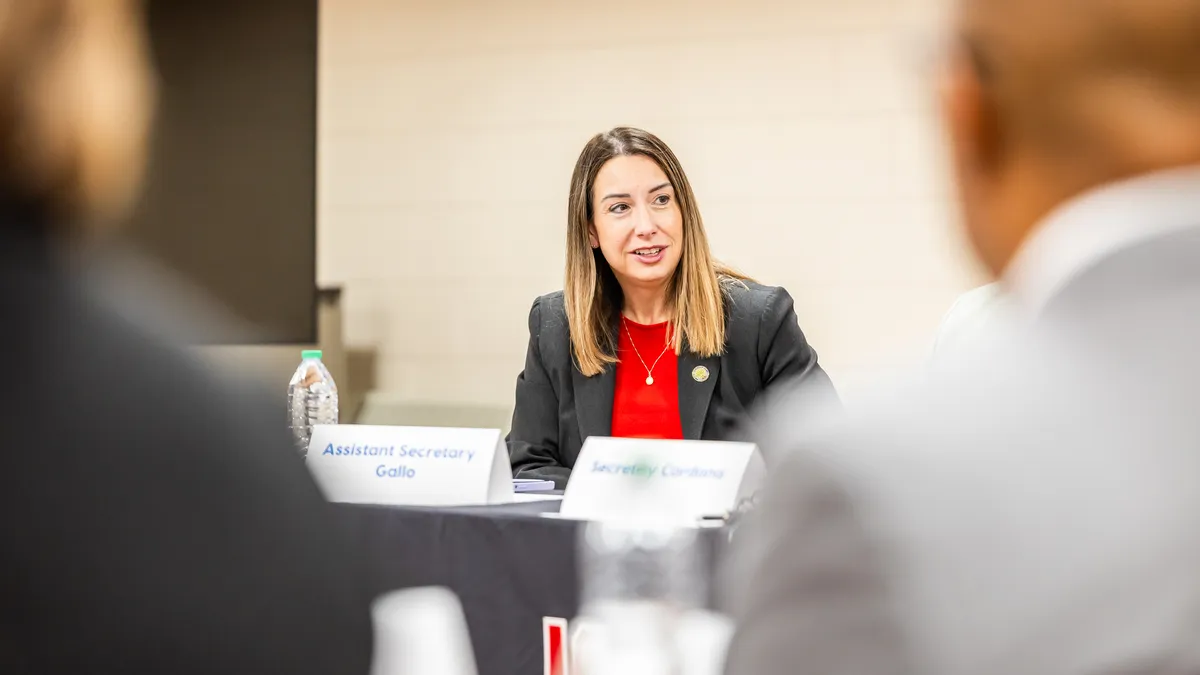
x=557, y=407
x=155, y=519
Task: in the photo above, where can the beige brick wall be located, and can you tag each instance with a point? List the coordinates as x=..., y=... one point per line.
x=448, y=130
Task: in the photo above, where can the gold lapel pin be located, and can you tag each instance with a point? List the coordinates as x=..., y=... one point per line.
x=700, y=374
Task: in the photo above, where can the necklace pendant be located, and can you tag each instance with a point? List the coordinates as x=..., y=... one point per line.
x=650, y=380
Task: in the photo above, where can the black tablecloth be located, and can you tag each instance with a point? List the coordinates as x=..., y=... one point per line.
x=509, y=566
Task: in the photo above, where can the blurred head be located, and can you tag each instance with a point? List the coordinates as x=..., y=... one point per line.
x=632, y=221
x=75, y=106
x=1047, y=99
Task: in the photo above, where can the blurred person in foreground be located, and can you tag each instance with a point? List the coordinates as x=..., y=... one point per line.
x=153, y=521
x=1035, y=511
x=652, y=337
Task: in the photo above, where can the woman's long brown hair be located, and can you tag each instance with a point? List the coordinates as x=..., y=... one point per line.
x=593, y=297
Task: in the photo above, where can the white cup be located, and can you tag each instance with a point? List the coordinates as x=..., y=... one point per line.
x=421, y=631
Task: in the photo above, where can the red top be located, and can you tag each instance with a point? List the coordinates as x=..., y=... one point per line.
x=643, y=410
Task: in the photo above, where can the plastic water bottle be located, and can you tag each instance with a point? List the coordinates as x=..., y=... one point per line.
x=312, y=398
x=639, y=580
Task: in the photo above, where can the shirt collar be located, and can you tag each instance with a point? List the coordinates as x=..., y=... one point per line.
x=1097, y=224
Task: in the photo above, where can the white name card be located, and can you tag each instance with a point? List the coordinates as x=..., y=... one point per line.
x=410, y=466
x=677, y=481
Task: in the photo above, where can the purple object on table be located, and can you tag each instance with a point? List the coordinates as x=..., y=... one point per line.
x=532, y=485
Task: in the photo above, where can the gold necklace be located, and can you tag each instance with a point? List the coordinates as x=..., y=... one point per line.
x=649, y=369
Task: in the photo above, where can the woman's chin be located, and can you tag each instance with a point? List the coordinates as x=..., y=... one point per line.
x=646, y=277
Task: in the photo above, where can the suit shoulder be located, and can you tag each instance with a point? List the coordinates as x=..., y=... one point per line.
x=192, y=386
x=749, y=299
x=550, y=309
x=160, y=381
x=551, y=304
x=548, y=321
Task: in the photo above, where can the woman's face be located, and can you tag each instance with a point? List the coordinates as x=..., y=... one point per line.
x=636, y=221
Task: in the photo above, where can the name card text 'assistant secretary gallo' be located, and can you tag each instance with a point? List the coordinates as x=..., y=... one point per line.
x=651, y=338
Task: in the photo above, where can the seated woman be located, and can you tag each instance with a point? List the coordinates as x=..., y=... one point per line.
x=651, y=338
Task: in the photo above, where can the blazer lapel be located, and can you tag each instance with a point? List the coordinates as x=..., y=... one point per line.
x=697, y=379
x=594, y=402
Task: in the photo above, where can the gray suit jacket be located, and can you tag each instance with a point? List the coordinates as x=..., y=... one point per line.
x=1035, y=510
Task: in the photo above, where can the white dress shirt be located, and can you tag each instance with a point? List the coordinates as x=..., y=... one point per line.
x=1093, y=226
x=1071, y=239
x=975, y=315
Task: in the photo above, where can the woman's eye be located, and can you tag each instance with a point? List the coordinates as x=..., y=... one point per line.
x=662, y=200
x=618, y=208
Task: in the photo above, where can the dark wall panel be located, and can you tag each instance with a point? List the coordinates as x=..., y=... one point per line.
x=231, y=195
